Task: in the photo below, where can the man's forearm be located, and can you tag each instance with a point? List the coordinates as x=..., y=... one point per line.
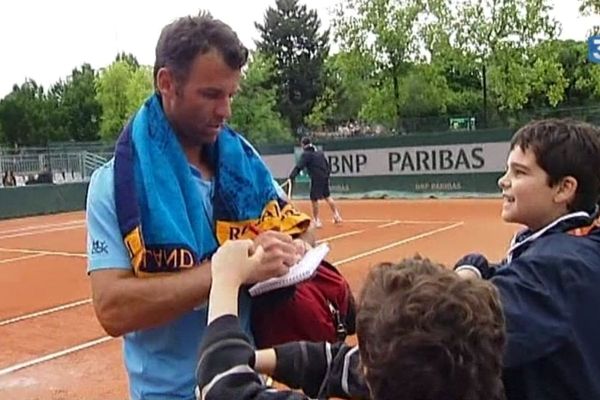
x=294, y=173
x=132, y=303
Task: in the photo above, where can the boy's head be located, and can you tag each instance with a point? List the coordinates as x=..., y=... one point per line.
x=553, y=169
x=425, y=333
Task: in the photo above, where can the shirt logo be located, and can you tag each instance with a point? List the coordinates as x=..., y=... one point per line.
x=99, y=247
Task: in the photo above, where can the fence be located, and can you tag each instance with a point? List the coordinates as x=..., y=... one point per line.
x=64, y=167
x=494, y=119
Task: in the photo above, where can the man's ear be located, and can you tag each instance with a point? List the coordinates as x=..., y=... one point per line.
x=566, y=190
x=165, y=82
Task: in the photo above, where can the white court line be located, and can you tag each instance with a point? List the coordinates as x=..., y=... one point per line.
x=398, y=243
x=423, y=222
x=389, y=224
x=341, y=235
x=92, y=343
x=43, y=252
x=367, y=221
x=34, y=227
x=66, y=228
x=45, y=312
x=9, y=260
x=52, y=356
x=400, y=221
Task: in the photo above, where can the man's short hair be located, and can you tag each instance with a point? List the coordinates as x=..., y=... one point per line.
x=565, y=147
x=187, y=37
x=305, y=141
x=426, y=333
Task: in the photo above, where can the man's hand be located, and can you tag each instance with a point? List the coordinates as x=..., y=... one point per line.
x=305, y=242
x=301, y=247
x=279, y=253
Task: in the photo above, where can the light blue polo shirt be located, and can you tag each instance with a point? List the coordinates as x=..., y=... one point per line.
x=160, y=362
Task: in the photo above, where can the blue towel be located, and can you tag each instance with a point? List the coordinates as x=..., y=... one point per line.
x=161, y=216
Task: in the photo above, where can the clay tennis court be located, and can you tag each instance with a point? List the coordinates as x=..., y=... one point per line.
x=52, y=347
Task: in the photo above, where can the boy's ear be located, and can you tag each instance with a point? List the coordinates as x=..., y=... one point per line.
x=567, y=189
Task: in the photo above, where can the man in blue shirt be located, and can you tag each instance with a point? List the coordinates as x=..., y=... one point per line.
x=162, y=318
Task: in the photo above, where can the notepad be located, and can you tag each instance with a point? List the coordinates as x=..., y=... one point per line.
x=303, y=270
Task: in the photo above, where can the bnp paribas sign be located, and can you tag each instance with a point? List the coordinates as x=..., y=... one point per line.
x=420, y=160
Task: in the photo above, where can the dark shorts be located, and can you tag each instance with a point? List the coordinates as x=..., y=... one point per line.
x=319, y=189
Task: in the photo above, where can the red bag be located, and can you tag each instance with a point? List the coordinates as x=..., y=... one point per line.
x=319, y=309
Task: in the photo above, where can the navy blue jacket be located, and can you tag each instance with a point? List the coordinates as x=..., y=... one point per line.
x=550, y=291
x=315, y=163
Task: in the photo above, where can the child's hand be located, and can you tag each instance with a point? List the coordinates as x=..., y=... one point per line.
x=235, y=262
x=470, y=263
x=232, y=265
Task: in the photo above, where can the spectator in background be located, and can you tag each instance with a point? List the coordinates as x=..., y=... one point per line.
x=318, y=170
x=9, y=179
x=45, y=176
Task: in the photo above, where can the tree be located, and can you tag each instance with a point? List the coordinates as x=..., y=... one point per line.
x=80, y=106
x=583, y=79
x=346, y=83
x=290, y=35
x=129, y=59
x=24, y=115
x=323, y=111
x=140, y=87
x=463, y=79
x=497, y=36
x=422, y=93
x=389, y=31
x=589, y=6
x=2, y=138
x=57, y=114
x=254, y=108
x=121, y=89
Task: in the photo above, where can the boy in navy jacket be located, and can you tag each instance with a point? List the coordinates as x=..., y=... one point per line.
x=549, y=283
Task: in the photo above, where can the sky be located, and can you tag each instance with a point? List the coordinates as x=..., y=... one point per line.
x=46, y=39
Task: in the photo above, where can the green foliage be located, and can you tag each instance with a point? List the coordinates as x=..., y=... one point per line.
x=24, y=115
x=254, y=109
x=390, y=32
x=121, y=89
x=588, y=7
x=128, y=58
x=82, y=112
x=396, y=62
x=290, y=35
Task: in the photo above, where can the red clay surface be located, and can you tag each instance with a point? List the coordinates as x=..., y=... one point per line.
x=43, y=268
